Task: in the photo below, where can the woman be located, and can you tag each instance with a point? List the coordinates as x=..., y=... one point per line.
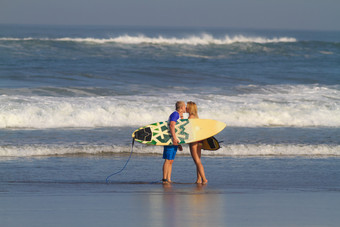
x=195, y=147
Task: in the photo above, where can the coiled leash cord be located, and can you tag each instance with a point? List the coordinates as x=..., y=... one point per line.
x=107, y=179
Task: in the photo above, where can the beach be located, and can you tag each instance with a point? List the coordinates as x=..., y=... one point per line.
x=288, y=191
x=71, y=96
x=164, y=209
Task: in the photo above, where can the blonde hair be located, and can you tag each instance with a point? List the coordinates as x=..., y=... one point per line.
x=179, y=104
x=192, y=109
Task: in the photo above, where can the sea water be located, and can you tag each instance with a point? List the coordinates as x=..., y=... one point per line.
x=74, y=90
x=83, y=90
x=71, y=96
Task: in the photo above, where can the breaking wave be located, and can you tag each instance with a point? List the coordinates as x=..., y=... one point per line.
x=256, y=106
x=204, y=39
x=225, y=150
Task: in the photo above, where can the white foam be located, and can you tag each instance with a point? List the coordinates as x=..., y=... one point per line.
x=256, y=106
x=278, y=150
x=297, y=106
x=49, y=150
x=226, y=150
x=256, y=150
x=204, y=39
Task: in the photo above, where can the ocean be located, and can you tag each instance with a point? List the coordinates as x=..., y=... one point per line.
x=71, y=96
x=72, y=90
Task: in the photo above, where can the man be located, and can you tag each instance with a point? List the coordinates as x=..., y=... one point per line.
x=169, y=152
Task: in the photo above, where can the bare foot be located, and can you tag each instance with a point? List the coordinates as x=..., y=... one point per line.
x=205, y=182
x=166, y=181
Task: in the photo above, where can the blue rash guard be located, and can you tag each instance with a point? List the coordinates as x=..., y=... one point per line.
x=169, y=152
x=174, y=117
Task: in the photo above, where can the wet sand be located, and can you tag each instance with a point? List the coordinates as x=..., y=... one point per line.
x=183, y=205
x=242, y=192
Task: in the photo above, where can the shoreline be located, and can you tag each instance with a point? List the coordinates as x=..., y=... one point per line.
x=242, y=192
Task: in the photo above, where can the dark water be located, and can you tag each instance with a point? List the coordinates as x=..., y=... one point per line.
x=85, y=89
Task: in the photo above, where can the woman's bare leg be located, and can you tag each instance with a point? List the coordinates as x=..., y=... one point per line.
x=195, y=150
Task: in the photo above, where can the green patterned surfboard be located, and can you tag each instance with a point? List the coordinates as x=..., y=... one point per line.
x=187, y=131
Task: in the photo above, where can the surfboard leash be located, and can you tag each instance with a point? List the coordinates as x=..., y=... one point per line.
x=107, y=179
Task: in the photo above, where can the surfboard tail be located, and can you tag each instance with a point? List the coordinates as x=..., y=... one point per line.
x=211, y=144
x=143, y=134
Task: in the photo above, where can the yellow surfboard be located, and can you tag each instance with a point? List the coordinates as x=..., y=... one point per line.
x=210, y=144
x=187, y=131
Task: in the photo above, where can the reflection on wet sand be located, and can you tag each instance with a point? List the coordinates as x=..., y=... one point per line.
x=189, y=205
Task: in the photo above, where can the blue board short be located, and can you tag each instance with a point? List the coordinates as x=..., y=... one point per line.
x=169, y=152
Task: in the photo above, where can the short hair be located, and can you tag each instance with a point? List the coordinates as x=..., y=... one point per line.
x=179, y=104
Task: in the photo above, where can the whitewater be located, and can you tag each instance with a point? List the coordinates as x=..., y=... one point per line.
x=203, y=39
x=285, y=106
x=82, y=91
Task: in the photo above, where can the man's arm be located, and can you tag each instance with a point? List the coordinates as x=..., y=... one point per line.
x=175, y=141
